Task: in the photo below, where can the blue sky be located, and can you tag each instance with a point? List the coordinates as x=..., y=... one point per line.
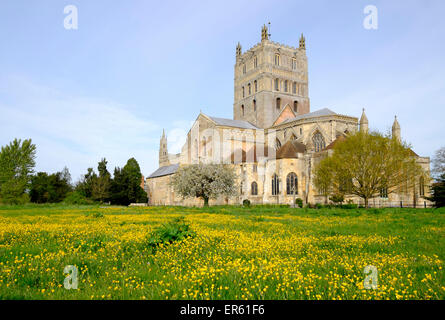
x=135, y=67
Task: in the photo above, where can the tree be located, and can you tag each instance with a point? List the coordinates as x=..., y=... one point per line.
x=126, y=185
x=366, y=163
x=438, y=192
x=439, y=162
x=205, y=181
x=85, y=185
x=17, y=162
x=50, y=188
x=101, y=184
x=324, y=177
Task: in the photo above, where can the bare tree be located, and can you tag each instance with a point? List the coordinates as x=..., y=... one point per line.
x=439, y=162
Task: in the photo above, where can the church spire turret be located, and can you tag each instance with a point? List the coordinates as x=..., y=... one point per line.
x=163, y=150
x=302, y=42
x=364, y=122
x=238, y=50
x=396, y=132
x=264, y=33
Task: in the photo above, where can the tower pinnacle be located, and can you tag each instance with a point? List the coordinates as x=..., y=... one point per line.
x=302, y=42
x=163, y=150
x=264, y=33
x=238, y=50
x=396, y=132
x=364, y=122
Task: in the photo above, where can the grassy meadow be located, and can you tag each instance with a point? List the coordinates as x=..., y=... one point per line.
x=266, y=252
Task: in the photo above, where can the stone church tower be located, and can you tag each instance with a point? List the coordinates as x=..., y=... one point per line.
x=268, y=77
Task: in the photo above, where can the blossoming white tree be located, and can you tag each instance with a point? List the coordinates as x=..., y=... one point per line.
x=205, y=181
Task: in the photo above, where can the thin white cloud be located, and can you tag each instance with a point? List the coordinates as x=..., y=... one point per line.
x=72, y=130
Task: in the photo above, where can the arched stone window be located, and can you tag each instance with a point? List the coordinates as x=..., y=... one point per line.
x=295, y=106
x=318, y=140
x=275, y=185
x=278, y=103
x=285, y=86
x=294, y=64
x=294, y=88
x=421, y=187
x=249, y=89
x=244, y=69
x=255, y=62
x=254, y=188
x=204, y=147
x=242, y=110
x=255, y=86
x=254, y=105
x=277, y=144
x=292, y=183
x=277, y=85
x=277, y=59
x=243, y=93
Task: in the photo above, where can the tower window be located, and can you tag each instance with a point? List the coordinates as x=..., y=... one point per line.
x=243, y=92
x=294, y=88
x=277, y=85
x=255, y=86
x=294, y=64
x=254, y=105
x=244, y=69
x=295, y=106
x=278, y=103
x=254, y=190
x=255, y=62
x=277, y=59
x=242, y=110
x=249, y=89
x=285, y=86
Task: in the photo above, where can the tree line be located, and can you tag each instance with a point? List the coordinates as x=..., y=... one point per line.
x=19, y=183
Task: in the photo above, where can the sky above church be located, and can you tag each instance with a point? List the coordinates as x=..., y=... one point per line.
x=135, y=67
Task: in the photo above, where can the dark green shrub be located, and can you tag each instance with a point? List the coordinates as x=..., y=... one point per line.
x=337, y=198
x=176, y=230
x=299, y=202
x=246, y=202
x=76, y=198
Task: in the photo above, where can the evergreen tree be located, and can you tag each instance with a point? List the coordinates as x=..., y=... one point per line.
x=17, y=162
x=438, y=192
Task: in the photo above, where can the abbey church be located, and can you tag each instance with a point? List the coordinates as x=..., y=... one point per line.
x=274, y=139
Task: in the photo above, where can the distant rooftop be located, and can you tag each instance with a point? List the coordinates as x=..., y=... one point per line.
x=164, y=171
x=233, y=123
x=315, y=114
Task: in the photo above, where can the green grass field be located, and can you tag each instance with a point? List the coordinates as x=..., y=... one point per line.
x=262, y=252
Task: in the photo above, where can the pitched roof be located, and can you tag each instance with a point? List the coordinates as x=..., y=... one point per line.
x=164, y=171
x=333, y=143
x=290, y=150
x=286, y=113
x=315, y=114
x=233, y=123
